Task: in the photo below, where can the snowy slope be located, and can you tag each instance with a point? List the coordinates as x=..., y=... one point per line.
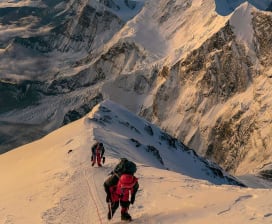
x=52, y=181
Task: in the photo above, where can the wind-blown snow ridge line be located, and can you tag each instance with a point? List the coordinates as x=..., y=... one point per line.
x=241, y=198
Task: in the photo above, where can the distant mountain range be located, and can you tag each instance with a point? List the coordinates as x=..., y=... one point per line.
x=200, y=70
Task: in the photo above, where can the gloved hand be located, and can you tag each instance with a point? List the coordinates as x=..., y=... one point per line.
x=108, y=198
x=132, y=199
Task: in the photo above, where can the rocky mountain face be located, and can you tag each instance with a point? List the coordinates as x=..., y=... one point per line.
x=207, y=82
x=206, y=79
x=220, y=98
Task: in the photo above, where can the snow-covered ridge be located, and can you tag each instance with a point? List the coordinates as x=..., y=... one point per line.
x=149, y=145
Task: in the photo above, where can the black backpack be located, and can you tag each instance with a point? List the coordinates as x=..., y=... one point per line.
x=125, y=167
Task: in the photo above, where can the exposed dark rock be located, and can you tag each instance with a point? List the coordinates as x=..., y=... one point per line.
x=267, y=174
x=127, y=124
x=104, y=109
x=173, y=7
x=18, y=95
x=169, y=139
x=164, y=72
x=155, y=152
x=229, y=139
x=136, y=142
x=130, y=4
x=262, y=25
x=78, y=113
x=149, y=130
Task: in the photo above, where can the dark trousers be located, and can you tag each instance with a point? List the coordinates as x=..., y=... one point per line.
x=115, y=205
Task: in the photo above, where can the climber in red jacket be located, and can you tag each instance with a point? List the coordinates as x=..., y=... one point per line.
x=121, y=188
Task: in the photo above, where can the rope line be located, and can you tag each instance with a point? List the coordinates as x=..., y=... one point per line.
x=92, y=196
x=99, y=198
x=95, y=185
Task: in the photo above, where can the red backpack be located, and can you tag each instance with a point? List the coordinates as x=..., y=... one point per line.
x=125, y=186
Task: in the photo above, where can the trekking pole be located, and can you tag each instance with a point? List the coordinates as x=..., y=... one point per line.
x=110, y=210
